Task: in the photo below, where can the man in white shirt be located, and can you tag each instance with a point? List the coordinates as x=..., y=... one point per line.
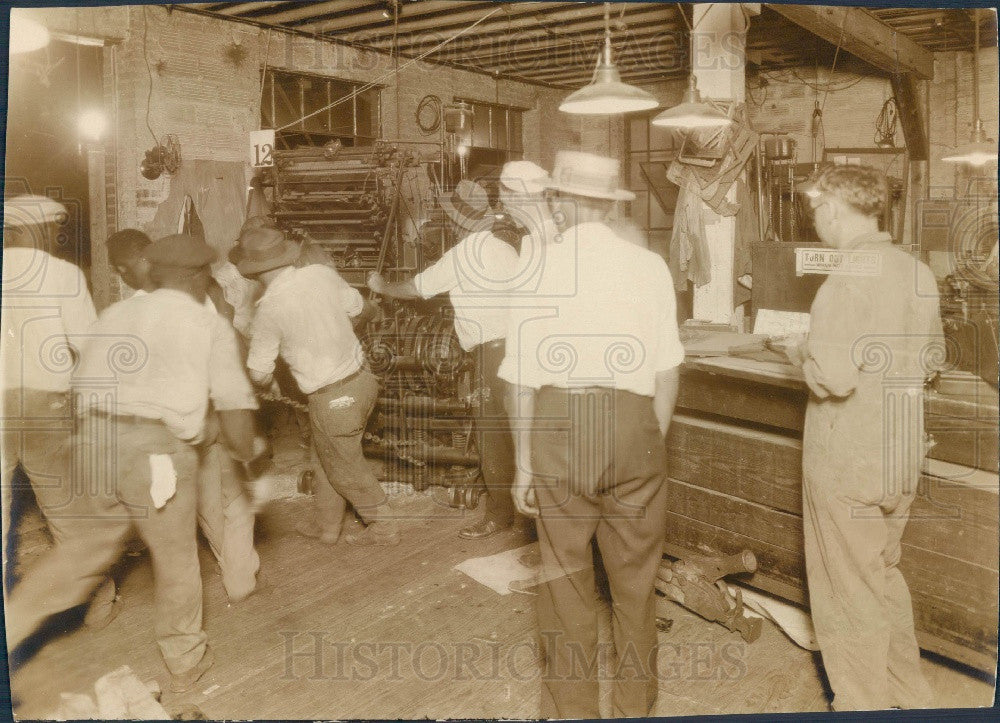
x=147, y=374
x=593, y=371
x=47, y=311
x=475, y=273
x=305, y=317
x=225, y=514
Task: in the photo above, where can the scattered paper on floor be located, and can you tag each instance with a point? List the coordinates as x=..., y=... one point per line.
x=498, y=571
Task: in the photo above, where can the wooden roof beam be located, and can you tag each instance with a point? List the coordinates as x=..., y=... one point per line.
x=312, y=10
x=537, y=29
x=653, y=42
x=310, y=18
x=863, y=35
x=555, y=19
x=240, y=8
x=911, y=119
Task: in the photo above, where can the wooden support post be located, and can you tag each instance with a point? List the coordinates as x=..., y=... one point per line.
x=100, y=268
x=904, y=88
x=718, y=61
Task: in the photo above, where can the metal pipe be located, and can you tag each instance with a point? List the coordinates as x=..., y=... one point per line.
x=436, y=456
x=425, y=404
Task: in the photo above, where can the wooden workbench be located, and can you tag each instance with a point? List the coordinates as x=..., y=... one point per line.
x=736, y=482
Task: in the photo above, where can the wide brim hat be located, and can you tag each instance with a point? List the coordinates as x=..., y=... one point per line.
x=30, y=210
x=263, y=249
x=467, y=205
x=589, y=175
x=524, y=177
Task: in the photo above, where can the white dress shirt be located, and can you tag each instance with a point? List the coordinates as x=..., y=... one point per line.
x=240, y=292
x=45, y=306
x=305, y=316
x=604, y=315
x=162, y=355
x=477, y=274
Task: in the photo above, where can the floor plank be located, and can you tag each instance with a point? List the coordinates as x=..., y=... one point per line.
x=462, y=650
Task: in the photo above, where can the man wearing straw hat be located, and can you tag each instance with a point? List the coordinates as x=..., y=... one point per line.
x=305, y=317
x=475, y=273
x=593, y=374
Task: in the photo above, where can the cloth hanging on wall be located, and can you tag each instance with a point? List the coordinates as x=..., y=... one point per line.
x=217, y=192
x=689, y=258
x=714, y=182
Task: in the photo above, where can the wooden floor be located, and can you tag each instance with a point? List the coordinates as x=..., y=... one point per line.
x=344, y=632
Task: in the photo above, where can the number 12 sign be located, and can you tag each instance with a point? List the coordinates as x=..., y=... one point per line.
x=262, y=148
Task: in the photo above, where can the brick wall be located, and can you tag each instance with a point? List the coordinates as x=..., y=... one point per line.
x=195, y=92
x=211, y=105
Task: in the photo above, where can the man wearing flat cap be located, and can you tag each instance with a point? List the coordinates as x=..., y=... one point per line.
x=225, y=513
x=304, y=316
x=475, y=273
x=47, y=310
x=593, y=374
x=150, y=368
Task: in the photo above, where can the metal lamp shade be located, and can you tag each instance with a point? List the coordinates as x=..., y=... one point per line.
x=606, y=94
x=692, y=112
x=978, y=152
x=26, y=34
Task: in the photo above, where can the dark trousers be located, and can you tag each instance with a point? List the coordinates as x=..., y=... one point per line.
x=338, y=414
x=599, y=465
x=108, y=505
x=496, y=446
x=37, y=434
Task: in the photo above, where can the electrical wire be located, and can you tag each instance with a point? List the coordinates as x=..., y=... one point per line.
x=836, y=53
x=428, y=101
x=885, y=125
x=815, y=87
x=395, y=58
x=263, y=79
x=149, y=72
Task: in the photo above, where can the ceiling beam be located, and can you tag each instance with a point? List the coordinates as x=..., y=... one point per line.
x=584, y=71
x=653, y=42
x=312, y=10
x=863, y=35
x=505, y=20
x=572, y=81
x=239, y=8
x=653, y=58
x=538, y=29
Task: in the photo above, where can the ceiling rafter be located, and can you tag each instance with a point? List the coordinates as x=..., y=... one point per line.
x=560, y=37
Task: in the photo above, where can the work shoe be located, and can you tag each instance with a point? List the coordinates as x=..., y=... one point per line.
x=483, y=528
x=377, y=533
x=531, y=558
x=309, y=528
x=183, y=682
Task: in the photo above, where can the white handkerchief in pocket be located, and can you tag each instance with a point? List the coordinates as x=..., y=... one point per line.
x=164, y=476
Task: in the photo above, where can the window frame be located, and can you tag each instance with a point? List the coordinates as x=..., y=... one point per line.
x=491, y=108
x=298, y=135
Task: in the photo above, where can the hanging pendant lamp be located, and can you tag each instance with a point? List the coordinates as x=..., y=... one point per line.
x=980, y=150
x=606, y=94
x=692, y=112
x=26, y=34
